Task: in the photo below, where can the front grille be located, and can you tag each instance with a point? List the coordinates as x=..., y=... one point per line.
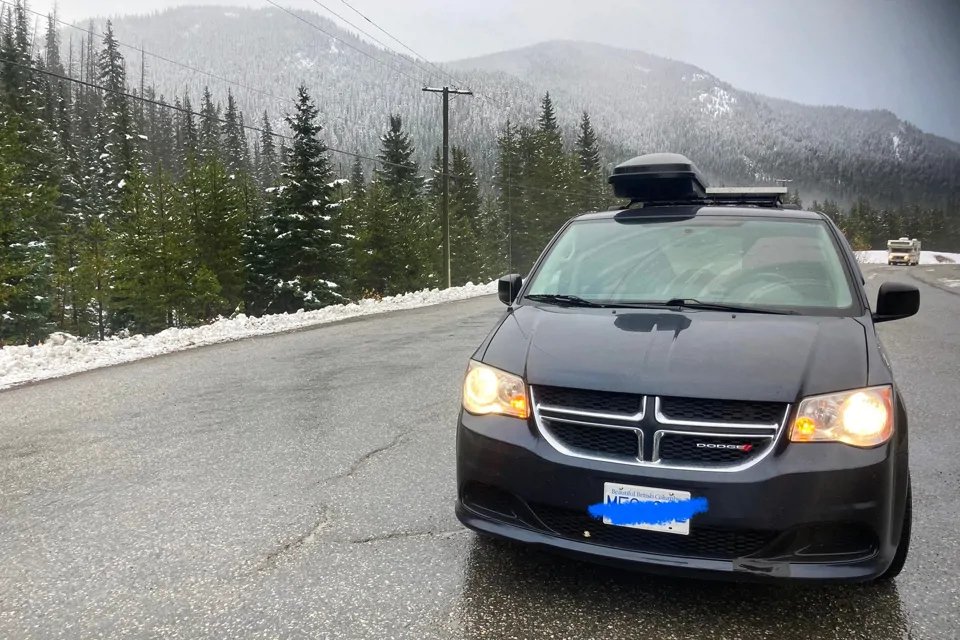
x=587, y=400
x=596, y=440
x=722, y=411
x=702, y=542
x=676, y=448
x=615, y=426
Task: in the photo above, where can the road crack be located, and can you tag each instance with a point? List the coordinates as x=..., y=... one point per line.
x=300, y=541
x=362, y=460
x=410, y=534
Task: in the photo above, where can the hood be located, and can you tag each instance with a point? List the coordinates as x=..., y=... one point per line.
x=703, y=354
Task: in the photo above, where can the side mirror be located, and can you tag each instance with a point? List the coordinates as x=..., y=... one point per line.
x=508, y=287
x=896, y=301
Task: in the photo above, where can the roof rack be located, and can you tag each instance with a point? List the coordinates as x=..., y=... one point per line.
x=761, y=196
x=672, y=179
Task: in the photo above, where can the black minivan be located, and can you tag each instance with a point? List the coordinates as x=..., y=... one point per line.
x=692, y=384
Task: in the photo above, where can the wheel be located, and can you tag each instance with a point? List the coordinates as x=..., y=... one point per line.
x=900, y=557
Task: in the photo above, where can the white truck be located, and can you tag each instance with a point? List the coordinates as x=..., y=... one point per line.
x=903, y=251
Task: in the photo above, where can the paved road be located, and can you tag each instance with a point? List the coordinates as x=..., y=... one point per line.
x=944, y=276
x=302, y=486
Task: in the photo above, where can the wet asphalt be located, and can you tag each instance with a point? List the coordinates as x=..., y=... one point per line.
x=302, y=486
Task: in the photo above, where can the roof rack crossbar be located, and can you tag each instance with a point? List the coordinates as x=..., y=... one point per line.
x=771, y=196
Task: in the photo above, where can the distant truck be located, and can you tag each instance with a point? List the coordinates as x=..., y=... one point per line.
x=903, y=251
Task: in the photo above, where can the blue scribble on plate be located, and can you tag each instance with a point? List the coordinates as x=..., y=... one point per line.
x=652, y=513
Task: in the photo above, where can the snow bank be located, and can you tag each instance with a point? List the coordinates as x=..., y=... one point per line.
x=926, y=257
x=63, y=354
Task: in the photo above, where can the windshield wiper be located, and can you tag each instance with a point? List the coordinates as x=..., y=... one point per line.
x=563, y=299
x=693, y=303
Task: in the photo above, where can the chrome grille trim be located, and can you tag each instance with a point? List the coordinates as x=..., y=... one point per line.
x=564, y=449
x=602, y=425
x=601, y=415
x=770, y=432
x=662, y=419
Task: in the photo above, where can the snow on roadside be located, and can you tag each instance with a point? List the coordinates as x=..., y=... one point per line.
x=62, y=354
x=926, y=257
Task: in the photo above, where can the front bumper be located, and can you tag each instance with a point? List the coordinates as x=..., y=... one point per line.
x=814, y=511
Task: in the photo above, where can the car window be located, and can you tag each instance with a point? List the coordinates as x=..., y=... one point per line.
x=793, y=264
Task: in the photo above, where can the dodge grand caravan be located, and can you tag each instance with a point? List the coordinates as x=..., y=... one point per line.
x=692, y=384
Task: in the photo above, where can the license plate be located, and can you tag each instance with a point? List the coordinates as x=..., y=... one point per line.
x=613, y=492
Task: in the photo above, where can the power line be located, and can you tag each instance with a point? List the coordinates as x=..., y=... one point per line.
x=262, y=92
x=356, y=11
x=158, y=56
x=180, y=109
x=344, y=42
x=489, y=100
x=380, y=42
x=143, y=52
x=485, y=98
x=131, y=96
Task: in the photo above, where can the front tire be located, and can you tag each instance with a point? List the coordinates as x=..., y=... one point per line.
x=900, y=557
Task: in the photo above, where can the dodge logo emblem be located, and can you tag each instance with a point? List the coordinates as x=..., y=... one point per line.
x=736, y=447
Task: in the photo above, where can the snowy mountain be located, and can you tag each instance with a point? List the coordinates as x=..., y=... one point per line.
x=639, y=103
x=650, y=104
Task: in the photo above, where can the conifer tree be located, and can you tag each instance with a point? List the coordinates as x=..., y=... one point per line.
x=187, y=137
x=163, y=142
x=378, y=252
x=25, y=295
x=219, y=235
x=413, y=229
x=171, y=258
x=306, y=259
x=258, y=291
x=591, y=184
x=522, y=203
x=208, y=136
x=234, y=140
x=353, y=225
x=550, y=174
x=269, y=162
x=358, y=183
x=117, y=134
x=398, y=170
x=132, y=301
x=467, y=260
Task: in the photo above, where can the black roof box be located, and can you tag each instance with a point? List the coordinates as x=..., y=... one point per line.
x=659, y=177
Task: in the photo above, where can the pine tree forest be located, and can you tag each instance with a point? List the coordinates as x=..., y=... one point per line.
x=123, y=211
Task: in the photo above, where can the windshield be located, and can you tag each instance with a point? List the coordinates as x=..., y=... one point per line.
x=789, y=264
x=900, y=245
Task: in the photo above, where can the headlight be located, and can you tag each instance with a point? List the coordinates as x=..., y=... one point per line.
x=488, y=390
x=861, y=418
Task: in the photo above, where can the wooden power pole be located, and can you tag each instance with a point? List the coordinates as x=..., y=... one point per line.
x=445, y=215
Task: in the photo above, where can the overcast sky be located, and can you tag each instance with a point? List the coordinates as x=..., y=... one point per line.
x=901, y=55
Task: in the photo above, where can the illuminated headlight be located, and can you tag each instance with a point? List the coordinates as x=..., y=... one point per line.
x=861, y=418
x=487, y=390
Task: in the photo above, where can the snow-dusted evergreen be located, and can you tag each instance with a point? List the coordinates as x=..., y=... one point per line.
x=306, y=257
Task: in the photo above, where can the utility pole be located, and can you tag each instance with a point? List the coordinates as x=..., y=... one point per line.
x=445, y=216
